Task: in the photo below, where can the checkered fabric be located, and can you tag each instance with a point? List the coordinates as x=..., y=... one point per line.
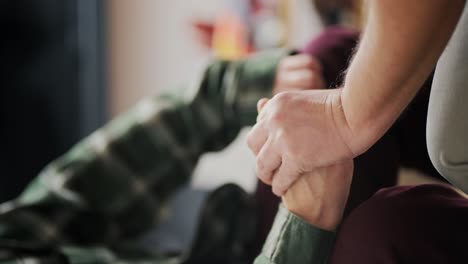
x=91, y=204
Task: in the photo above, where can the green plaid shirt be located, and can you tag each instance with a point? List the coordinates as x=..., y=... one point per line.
x=90, y=205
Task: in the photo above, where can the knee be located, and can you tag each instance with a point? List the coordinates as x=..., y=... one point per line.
x=396, y=218
x=374, y=220
x=384, y=209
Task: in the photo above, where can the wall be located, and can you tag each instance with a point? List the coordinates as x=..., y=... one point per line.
x=152, y=47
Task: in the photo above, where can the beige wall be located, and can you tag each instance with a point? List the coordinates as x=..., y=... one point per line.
x=152, y=47
x=304, y=23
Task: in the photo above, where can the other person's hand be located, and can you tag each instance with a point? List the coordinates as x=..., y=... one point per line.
x=319, y=197
x=298, y=72
x=296, y=133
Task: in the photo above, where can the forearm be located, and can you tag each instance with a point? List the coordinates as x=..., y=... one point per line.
x=400, y=46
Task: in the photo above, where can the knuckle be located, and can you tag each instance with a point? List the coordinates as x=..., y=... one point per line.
x=282, y=98
x=277, y=117
x=250, y=141
x=260, y=164
x=265, y=177
x=282, y=136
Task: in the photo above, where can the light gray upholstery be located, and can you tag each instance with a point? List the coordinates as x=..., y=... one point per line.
x=447, y=124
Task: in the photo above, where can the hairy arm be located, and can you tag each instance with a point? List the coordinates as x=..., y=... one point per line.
x=400, y=46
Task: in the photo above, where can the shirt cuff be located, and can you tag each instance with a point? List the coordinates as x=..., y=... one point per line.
x=292, y=240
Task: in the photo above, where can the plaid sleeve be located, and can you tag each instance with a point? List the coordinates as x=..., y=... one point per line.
x=292, y=240
x=111, y=186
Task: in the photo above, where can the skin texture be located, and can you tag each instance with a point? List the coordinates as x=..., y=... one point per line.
x=319, y=197
x=400, y=46
x=308, y=197
x=284, y=130
x=300, y=132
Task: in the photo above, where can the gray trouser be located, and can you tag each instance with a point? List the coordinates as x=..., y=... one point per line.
x=447, y=123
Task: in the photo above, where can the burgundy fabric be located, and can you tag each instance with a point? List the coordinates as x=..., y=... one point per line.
x=412, y=224
x=333, y=48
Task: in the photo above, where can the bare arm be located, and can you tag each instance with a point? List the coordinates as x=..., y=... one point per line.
x=399, y=49
x=400, y=46
x=300, y=131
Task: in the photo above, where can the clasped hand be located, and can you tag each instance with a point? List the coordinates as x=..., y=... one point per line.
x=296, y=133
x=300, y=143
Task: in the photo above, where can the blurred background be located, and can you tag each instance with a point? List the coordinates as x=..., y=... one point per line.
x=68, y=66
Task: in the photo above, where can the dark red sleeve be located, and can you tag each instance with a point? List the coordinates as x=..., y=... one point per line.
x=333, y=48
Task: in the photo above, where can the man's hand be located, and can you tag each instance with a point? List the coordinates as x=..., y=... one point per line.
x=296, y=133
x=298, y=72
x=319, y=197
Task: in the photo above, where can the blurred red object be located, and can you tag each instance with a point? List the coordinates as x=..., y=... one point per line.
x=204, y=31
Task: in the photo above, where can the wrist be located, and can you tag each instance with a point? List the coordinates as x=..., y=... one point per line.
x=358, y=130
x=315, y=201
x=323, y=219
x=319, y=197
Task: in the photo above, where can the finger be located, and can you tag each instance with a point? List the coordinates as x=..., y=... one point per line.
x=314, y=64
x=257, y=138
x=261, y=103
x=284, y=178
x=305, y=79
x=268, y=160
x=300, y=61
